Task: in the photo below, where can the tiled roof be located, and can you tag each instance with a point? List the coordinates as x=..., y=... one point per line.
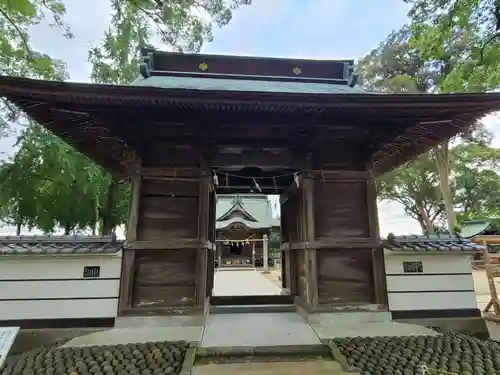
x=430, y=243
x=221, y=84
x=256, y=205
x=58, y=245
x=475, y=227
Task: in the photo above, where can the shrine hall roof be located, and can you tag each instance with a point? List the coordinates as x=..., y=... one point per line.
x=280, y=98
x=256, y=211
x=441, y=243
x=221, y=84
x=59, y=245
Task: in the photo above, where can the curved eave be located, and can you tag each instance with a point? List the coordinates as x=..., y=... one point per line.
x=233, y=208
x=63, y=108
x=68, y=92
x=221, y=225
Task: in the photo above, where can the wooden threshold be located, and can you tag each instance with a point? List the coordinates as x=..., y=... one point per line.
x=285, y=299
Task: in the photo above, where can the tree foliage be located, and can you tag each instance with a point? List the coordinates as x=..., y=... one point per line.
x=416, y=187
x=427, y=187
x=476, y=181
x=461, y=37
x=46, y=183
x=17, y=56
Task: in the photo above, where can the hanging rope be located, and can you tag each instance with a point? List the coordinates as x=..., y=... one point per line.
x=245, y=241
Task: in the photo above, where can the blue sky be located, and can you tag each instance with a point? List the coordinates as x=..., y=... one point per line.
x=326, y=29
x=321, y=29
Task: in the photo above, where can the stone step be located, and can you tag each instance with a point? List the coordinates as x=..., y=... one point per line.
x=251, y=309
x=310, y=367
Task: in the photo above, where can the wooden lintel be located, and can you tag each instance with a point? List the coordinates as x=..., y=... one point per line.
x=174, y=174
x=169, y=244
x=277, y=188
x=337, y=243
x=345, y=175
x=165, y=178
x=258, y=158
x=346, y=243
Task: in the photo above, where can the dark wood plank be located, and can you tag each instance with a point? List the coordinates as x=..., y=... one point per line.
x=345, y=277
x=164, y=279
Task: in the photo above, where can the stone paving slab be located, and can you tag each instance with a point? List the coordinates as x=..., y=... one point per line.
x=315, y=367
x=138, y=335
x=262, y=329
x=243, y=283
x=370, y=329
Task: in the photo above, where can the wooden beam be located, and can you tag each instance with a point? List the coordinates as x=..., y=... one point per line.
x=257, y=158
x=169, y=244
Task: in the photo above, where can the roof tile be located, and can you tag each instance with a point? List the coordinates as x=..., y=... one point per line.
x=207, y=84
x=430, y=243
x=59, y=245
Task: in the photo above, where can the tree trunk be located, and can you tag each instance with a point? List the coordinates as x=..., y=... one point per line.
x=427, y=225
x=108, y=219
x=18, y=229
x=443, y=167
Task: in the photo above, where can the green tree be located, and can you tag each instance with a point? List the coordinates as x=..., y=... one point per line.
x=17, y=57
x=477, y=181
x=47, y=184
x=398, y=65
x=416, y=187
x=394, y=66
x=461, y=38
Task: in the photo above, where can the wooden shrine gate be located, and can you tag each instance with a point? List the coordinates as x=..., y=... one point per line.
x=331, y=257
x=303, y=120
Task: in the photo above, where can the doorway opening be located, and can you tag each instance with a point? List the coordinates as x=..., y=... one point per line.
x=247, y=256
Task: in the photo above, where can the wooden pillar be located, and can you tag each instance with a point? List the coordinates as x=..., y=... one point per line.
x=203, y=236
x=128, y=259
x=265, y=252
x=253, y=253
x=379, y=278
x=309, y=241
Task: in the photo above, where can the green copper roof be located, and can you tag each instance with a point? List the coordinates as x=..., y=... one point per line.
x=474, y=227
x=257, y=206
x=221, y=84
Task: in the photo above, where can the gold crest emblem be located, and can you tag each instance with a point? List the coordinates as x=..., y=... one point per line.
x=297, y=70
x=203, y=66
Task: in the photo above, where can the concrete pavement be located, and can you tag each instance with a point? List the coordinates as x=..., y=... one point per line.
x=243, y=283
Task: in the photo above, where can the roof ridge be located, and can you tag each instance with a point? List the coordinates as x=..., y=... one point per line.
x=59, y=239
